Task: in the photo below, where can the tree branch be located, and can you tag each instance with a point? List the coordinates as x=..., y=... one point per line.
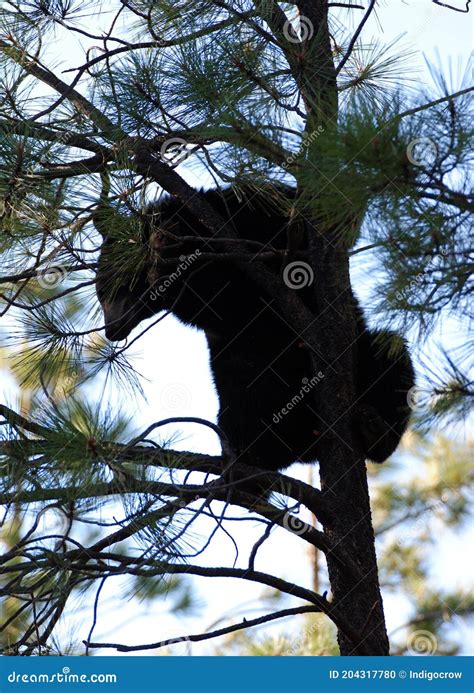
x=245, y=623
x=355, y=36
x=73, y=139
x=18, y=421
x=67, y=91
x=281, y=585
x=431, y=104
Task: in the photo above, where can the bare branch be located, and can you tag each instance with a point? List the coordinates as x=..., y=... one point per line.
x=431, y=104
x=451, y=7
x=356, y=36
x=244, y=624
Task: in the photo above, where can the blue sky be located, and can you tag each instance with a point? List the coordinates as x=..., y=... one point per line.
x=175, y=361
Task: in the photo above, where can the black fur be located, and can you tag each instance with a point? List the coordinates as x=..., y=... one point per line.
x=261, y=371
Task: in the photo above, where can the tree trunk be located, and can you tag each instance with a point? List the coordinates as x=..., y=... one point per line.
x=342, y=466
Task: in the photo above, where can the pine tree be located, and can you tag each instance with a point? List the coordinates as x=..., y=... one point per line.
x=234, y=93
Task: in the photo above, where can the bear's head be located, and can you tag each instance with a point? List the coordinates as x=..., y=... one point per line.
x=140, y=268
x=123, y=292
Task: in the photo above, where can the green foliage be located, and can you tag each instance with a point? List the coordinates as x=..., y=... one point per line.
x=415, y=514
x=390, y=177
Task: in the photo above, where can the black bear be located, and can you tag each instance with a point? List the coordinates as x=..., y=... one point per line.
x=262, y=374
